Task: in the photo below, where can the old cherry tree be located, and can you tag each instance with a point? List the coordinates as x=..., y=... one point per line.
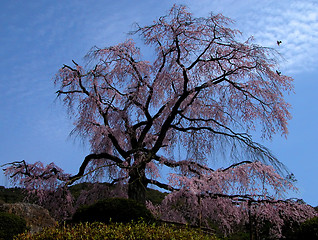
x=202, y=89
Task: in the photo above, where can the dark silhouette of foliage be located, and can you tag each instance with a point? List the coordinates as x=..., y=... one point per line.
x=11, y=225
x=155, y=196
x=11, y=195
x=78, y=188
x=113, y=210
x=14, y=195
x=308, y=230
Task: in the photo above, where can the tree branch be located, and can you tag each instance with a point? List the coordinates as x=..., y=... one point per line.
x=175, y=164
x=236, y=164
x=86, y=161
x=161, y=185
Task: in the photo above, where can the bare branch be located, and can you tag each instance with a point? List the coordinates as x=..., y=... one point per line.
x=89, y=158
x=161, y=185
x=236, y=164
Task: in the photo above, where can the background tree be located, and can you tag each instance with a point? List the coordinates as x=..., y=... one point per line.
x=203, y=89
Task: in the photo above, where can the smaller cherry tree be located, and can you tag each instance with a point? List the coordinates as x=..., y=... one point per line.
x=48, y=187
x=244, y=194
x=43, y=184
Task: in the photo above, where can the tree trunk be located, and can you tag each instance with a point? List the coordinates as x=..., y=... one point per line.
x=137, y=184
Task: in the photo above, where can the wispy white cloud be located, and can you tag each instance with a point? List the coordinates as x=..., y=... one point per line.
x=295, y=23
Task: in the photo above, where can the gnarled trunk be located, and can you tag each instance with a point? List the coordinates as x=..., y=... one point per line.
x=137, y=184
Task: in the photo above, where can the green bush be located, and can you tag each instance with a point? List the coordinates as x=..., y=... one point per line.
x=12, y=195
x=119, y=231
x=11, y=225
x=155, y=196
x=238, y=236
x=308, y=229
x=114, y=210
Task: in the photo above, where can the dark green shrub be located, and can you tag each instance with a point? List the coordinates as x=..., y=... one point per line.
x=155, y=196
x=238, y=236
x=11, y=225
x=114, y=210
x=12, y=195
x=308, y=229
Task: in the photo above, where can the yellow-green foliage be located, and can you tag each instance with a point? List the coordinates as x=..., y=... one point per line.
x=99, y=231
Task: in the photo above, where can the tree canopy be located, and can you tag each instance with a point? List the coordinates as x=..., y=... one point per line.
x=202, y=89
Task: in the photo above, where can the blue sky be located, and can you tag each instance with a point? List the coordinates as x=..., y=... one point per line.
x=38, y=37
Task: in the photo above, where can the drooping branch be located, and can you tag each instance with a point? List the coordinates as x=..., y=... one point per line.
x=89, y=158
x=175, y=164
x=251, y=199
x=236, y=164
x=241, y=137
x=161, y=185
